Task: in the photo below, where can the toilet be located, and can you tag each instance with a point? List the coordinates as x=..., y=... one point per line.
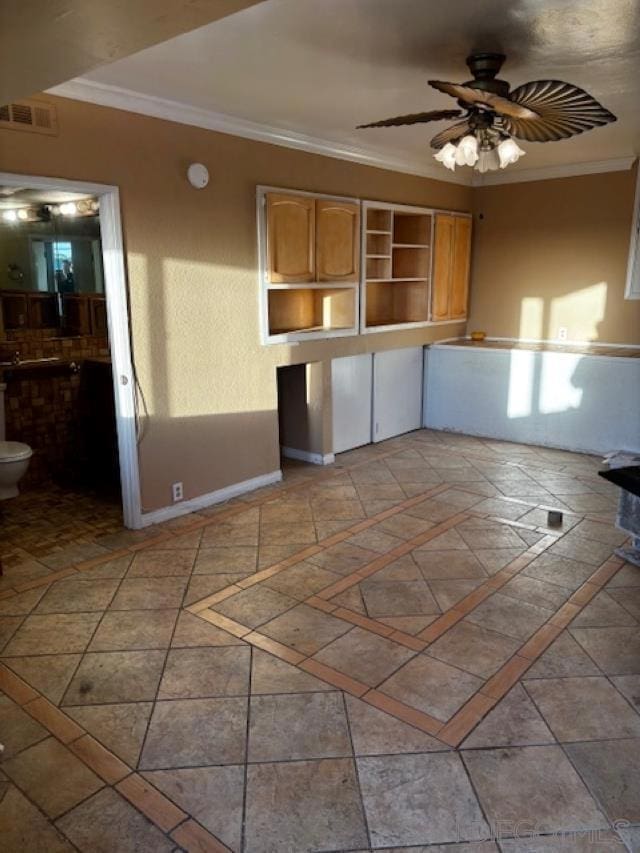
x=14, y=458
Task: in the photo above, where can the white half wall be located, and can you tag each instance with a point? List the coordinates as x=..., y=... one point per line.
x=578, y=402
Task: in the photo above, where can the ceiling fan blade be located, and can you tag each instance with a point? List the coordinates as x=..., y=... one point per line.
x=563, y=110
x=414, y=118
x=450, y=134
x=469, y=95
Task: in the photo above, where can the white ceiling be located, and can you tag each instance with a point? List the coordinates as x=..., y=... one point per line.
x=319, y=67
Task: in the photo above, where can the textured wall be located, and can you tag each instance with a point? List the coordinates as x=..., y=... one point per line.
x=209, y=387
x=554, y=253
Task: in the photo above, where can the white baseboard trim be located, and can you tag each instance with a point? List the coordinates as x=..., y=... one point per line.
x=202, y=501
x=308, y=456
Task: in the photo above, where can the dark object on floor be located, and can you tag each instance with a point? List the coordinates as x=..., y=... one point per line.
x=554, y=518
x=628, y=478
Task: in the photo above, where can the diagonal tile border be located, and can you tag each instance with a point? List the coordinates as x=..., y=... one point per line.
x=158, y=808
x=472, y=712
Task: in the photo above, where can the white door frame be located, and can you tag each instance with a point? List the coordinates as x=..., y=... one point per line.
x=115, y=285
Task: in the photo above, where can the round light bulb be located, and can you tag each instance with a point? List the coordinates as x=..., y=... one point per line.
x=10, y=216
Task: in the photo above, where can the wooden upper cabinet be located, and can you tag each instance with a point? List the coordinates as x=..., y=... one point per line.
x=451, y=263
x=441, y=274
x=460, y=264
x=337, y=241
x=291, y=236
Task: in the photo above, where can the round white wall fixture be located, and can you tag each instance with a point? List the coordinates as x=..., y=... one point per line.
x=198, y=175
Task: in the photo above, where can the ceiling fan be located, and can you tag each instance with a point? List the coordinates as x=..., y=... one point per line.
x=492, y=114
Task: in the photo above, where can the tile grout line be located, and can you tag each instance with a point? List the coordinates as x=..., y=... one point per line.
x=323, y=545
x=463, y=724
x=25, y=696
x=219, y=517
x=507, y=676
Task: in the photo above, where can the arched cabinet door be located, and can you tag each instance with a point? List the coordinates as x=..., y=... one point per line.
x=337, y=241
x=290, y=238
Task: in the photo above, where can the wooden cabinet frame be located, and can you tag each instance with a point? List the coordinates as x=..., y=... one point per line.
x=334, y=302
x=414, y=292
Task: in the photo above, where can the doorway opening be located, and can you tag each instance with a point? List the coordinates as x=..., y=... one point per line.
x=65, y=357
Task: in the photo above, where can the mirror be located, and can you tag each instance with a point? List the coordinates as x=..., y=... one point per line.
x=50, y=261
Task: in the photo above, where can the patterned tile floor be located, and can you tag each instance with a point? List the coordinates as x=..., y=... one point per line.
x=391, y=653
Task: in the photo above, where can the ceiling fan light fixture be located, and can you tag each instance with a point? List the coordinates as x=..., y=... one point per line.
x=509, y=152
x=488, y=160
x=467, y=151
x=447, y=156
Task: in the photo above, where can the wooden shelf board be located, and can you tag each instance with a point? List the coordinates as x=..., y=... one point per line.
x=382, y=325
x=410, y=246
x=392, y=280
x=314, y=285
x=308, y=329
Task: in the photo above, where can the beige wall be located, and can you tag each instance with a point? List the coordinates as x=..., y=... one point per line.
x=208, y=386
x=554, y=253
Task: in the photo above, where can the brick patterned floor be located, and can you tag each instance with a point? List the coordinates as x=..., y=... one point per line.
x=393, y=652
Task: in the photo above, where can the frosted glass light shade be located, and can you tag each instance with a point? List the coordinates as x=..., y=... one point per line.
x=447, y=156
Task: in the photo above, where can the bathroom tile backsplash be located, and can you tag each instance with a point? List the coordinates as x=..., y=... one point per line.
x=41, y=402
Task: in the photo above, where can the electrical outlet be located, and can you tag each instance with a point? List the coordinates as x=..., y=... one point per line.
x=176, y=491
x=562, y=333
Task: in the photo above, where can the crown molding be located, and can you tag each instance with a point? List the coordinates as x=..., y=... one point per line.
x=83, y=89
x=546, y=173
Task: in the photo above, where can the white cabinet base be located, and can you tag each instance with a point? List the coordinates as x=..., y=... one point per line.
x=351, y=384
x=397, y=392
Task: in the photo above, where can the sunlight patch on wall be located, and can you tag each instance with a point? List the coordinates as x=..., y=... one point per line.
x=580, y=312
x=558, y=389
x=208, y=321
x=521, y=379
x=522, y=364
x=531, y=317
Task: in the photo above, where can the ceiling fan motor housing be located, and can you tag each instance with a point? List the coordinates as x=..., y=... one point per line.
x=484, y=67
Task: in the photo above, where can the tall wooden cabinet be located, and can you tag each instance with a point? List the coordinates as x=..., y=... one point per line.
x=310, y=266
x=451, y=265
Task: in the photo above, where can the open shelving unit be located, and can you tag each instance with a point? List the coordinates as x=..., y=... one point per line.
x=396, y=264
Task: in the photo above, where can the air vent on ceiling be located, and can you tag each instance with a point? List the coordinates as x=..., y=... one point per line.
x=29, y=115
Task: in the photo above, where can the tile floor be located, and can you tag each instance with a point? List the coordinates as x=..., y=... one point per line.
x=391, y=653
